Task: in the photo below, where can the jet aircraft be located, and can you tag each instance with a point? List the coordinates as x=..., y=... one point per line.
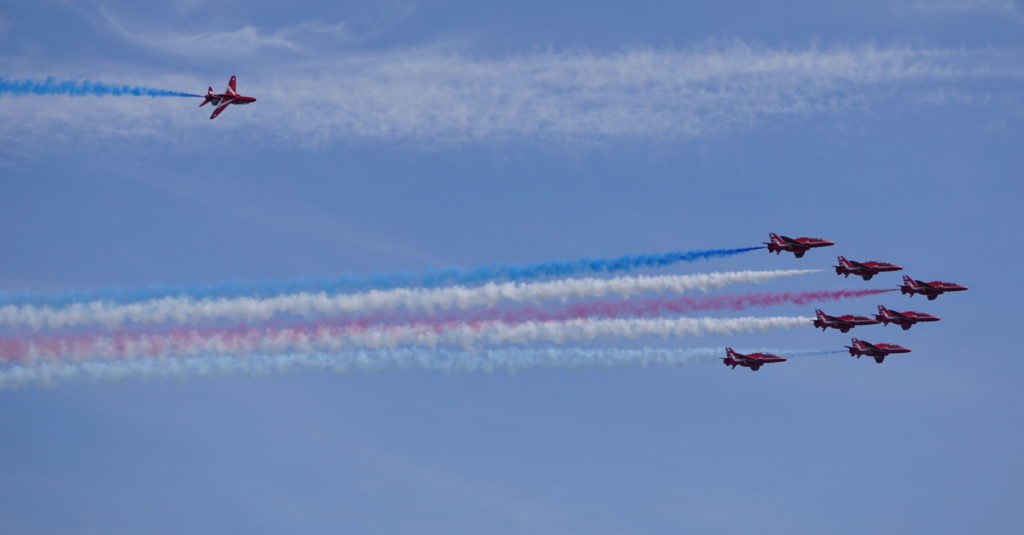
x=797, y=246
x=929, y=289
x=877, y=351
x=903, y=319
x=220, y=101
x=750, y=360
x=843, y=323
x=863, y=269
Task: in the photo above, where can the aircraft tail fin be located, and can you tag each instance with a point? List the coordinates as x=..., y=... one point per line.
x=841, y=266
x=209, y=96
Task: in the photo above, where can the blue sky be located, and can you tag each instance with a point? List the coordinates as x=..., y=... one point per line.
x=401, y=135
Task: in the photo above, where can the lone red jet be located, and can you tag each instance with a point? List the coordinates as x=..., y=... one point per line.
x=750, y=360
x=843, y=323
x=929, y=289
x=797, y=246
x=863, y=269
x=878, y=351
x=223, y=100
x=903, y=319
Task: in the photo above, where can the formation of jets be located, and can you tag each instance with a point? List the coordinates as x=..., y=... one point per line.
x=221, y=101
x=865, y=270
x=776, y=244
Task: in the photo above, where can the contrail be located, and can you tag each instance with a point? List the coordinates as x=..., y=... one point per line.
x=380, y=281
x=185, y=310
x=51, y=86
x=507, y=360
x=306, y=339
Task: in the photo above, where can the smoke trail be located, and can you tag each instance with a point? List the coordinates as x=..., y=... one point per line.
x=508, y=360
x=184, y=310
x=16, y=348
x=305, y=339
x=51, y=86
x=12, y=348
x=619, y=308
x=428, y=279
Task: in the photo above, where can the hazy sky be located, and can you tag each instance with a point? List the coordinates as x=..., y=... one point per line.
x=402, y=135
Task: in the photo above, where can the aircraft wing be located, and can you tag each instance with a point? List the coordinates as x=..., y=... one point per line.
x=220, y=108
x=869, y=345
x=854, y=263
x=231, y=86
x=836, y=320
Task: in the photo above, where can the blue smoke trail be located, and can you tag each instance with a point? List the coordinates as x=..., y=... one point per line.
x=428, y=279
x=51, y=86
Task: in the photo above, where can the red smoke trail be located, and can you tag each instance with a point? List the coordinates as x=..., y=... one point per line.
x=125, y=343
x=653, y=306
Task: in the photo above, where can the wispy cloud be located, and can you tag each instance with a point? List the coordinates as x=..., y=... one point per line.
x=242, y=41
x=1002, y=7
x=432, y=96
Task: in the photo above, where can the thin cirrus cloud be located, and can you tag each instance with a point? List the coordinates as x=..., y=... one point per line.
x=439, y=96
x=1013, y=8
x=246, y=40
x=644, y=93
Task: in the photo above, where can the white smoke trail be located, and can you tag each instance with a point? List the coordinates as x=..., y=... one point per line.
x=509, y=360
x=184, y=310
x=326, y=339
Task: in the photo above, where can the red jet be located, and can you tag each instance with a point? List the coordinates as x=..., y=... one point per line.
x=843, y=323
x=797, y=246
x=223, y=100
x=929, y=289
x=750, y=360
x=903, y=319
x=878, y=351
x=863, y=269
